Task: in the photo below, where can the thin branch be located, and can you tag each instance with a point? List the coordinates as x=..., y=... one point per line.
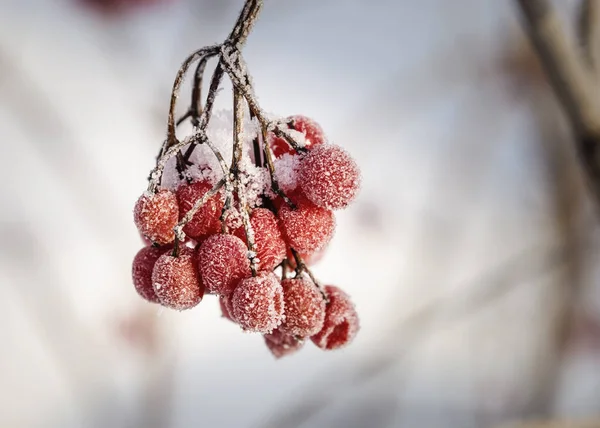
x=573, y=83
x=271, y=167
x=197, y=205
x=238, y=155
x=301, y=268
x=589, y=31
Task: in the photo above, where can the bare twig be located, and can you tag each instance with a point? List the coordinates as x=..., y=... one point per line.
x=573, y=83
x=589, y=31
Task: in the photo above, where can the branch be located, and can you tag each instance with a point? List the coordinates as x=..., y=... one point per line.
x=589, y=31
x=573, y=83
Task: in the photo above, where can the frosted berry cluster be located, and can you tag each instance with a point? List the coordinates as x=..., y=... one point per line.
x=242, y=207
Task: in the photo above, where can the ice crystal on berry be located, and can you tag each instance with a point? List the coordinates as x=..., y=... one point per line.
x=329, y=177
x=341, y=321
x=308, y=228
x=176, y=281
x=304, y=308
x=206, y=220
x=156, y=214
x=258, y=303
x=281, y=344
x=222, y=263
x=143, y=264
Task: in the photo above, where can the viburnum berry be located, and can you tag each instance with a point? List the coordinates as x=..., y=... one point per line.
x=308, y=228
x=304, y=308
x=258, y=303
x=223, y=261
x=312, y=132
x=268, y=239
x=281, y=344
x=206, y=220
x=341, y=321
x=156, y=214
x=329, y=177
x=309, y=259
x=141, y=272
x=176, y=281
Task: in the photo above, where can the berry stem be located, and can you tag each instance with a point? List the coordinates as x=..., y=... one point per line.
x=238, y=155
x=302, y=268
x=179, y=234
x=271, y=168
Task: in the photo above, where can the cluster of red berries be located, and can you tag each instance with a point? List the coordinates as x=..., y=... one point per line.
x=287, y=233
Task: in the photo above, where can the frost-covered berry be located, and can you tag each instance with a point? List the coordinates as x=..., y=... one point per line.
x=268, y=239
x=281, y=344
x=141, y=272
x=308, y=228
x=304, y=308
x=312, y=132
x=223, y=261
x=206, y=220
x=341, y=321
x=309, y=259
x=329, y=177
x=176, y=281
x=226, y=309
x=258, y=303
x=156, y=214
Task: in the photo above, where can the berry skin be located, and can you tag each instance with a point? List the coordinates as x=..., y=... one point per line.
x=341, y=321
x=206, y=220
x=223, y=262
x=141, y=272
x=226, y=308
x=329, y=177
x=258, y=303
x=268, y=239
x=312, y=132
x=304, y=308
x=281, y=344
x=156, y=214
x=308, y=228
x=176, y=281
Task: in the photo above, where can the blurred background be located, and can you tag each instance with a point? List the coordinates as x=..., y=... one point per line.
x=471, y=252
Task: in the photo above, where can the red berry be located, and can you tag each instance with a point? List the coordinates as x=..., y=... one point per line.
x=312, y=132
x=176, y=281
x=143, y=264
x=258, y=303
x=281, y=344
x=206, y=220
x=226, y=309
x=309, y=259
x=329, y=177
x=223, y=261
x=156, y=214
x=341, y=321
x=308, y=228
x=304, y=308
x=268, y=239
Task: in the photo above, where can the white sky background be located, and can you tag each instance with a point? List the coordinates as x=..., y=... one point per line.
x=453, y=187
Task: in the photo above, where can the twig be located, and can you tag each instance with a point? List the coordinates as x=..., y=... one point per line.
x=589, y=31
x=238, y=155
x=197, y=205
x=573, y=83
x=271, y=168
x=302, y=268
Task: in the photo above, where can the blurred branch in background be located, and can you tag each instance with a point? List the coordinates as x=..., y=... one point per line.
x=574, y=84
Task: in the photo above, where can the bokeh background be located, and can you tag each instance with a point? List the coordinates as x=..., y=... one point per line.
x=471, y=254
